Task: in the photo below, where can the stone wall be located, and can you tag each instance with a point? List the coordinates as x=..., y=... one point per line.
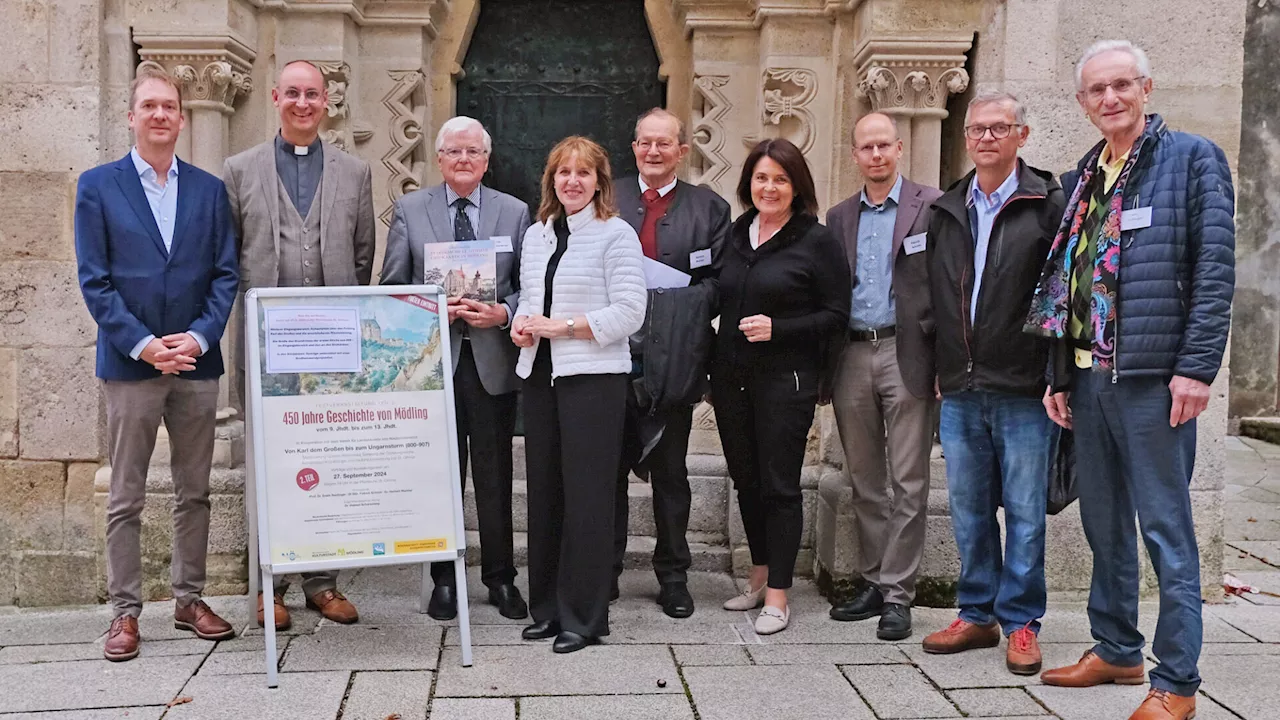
x=739, y=70
x=1255, y=340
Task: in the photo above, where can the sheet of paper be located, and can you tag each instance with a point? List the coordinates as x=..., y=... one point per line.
x=659, y=275
x=313, y=339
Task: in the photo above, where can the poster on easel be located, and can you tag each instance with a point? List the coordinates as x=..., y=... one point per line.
x=352, y=439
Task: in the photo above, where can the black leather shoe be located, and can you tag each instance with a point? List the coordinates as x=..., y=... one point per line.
x=508, y=601
x=867, y=603
x=541, y=630
x=895, y=622
x=567, y=642
x=675, y=600
x=444, y=603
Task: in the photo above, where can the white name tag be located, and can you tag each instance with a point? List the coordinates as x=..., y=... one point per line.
x=915, y=243
x=699, y=258
x=1135, y=219
x=501, y=243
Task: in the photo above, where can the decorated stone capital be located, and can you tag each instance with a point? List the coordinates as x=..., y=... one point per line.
x=912, y=77
x=213, y=70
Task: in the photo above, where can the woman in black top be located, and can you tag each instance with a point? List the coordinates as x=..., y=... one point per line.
x=785, y=294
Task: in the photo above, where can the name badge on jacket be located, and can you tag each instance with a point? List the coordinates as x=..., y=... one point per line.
x=501, y=243
x=699, y=258
x=1135, y=219
x=915, y=243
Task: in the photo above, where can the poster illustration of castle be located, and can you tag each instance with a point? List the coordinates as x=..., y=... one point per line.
x=463, y=269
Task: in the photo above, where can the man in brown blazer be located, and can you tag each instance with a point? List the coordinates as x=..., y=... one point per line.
x=304, y=211
x=884, y=387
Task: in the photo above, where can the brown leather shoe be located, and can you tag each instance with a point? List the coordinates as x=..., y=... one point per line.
x=1164, y=705
x=1023, y=654
x=122, y=639
x=283, y=621
x=203, y=621
x=960, y=636
x=1093, y=670
x=334, y=606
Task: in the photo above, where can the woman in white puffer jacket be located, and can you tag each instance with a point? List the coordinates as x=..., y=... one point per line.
x=582, y=294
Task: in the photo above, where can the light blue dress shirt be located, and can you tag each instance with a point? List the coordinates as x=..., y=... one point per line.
x=985, y=208
x=164, y=208
x=873, y=305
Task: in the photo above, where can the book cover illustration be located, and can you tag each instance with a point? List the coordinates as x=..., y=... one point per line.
x=463, y=269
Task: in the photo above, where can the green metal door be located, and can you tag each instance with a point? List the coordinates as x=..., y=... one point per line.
x=538, y=71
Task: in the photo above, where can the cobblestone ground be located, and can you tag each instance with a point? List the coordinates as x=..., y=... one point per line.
x=709, y=667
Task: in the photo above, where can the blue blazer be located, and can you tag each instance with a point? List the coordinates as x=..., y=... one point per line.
x=133, y=287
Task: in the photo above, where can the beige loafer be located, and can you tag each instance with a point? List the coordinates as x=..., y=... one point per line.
x=748, y=600
x=772, y=620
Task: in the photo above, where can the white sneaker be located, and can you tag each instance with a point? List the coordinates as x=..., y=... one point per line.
x=772, y=620
x=748, y=600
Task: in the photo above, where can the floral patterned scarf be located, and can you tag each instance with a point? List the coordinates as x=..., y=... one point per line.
x=1050, y=313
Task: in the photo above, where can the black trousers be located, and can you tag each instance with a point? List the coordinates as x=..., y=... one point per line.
x=669, y=477
x=573, y=440
x=485, y=425
x=764, y=420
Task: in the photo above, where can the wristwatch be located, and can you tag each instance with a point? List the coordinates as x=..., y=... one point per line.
x=570, y=325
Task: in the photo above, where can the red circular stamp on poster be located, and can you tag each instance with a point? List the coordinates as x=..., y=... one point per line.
x=308, y=478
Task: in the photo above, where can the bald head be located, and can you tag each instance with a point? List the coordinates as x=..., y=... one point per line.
x=300, y=69
x=877, y=149
x=300, y=97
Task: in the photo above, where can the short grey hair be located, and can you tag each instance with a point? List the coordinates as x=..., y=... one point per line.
x=1105, y=46
x=462, y=123
x=682, y=135
x=987, y=97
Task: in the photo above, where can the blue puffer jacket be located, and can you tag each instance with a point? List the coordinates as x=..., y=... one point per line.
x=1178, y=275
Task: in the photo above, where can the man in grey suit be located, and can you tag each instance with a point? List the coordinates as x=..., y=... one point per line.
x=683, y=226
x=484, y=358
x=304, y=211
x=885, y=379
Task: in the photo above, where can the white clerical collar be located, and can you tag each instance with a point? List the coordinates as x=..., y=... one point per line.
x=662, y=191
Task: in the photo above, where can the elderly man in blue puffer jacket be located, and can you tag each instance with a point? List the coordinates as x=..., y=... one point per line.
x=1137, y=291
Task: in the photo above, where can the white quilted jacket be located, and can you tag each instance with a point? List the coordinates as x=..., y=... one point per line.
x=600, y=276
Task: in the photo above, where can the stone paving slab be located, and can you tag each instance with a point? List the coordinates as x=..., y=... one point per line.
x=986, y=668
x=1112, y=702
x=633, y=707
x=881, y=654
x=379, y=695
x=1261, y=622
x=793, y=692
x=996, y=702
x=94, y=683
x=153, y=712
x=534, y=670
x=20, y=654
x=1250, y=686
x=242, y=655
x=813, y=627
x=1267, y=550
x=473, y=709
x=33, y=627
x=703, y=655
x=238, y=697
x=358, y=647
x=899, y=692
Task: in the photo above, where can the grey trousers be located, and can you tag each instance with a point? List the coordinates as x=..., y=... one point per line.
x=872, y=406
x=134, y=412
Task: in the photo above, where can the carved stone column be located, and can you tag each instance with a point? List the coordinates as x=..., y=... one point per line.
x=911, y=79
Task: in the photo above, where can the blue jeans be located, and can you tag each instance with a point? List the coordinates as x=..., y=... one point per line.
x=999, y=449
x=1130, y=462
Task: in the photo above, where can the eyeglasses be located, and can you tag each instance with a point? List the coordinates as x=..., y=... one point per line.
x=292, y=95
x=870, y=148
x=1097, y=91
x=999, y=131
x=662, y=145
x=471, y=152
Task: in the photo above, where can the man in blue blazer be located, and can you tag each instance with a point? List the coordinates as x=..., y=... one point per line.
x=156, y=254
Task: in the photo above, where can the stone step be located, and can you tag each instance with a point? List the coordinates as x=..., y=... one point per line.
x=1266, y=429
x=707, y=512
x=708, y=552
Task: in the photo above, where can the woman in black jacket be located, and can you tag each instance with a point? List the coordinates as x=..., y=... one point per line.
x=785, y=295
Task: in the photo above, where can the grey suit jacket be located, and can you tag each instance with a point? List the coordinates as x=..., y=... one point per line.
x=423, y=216
x=913, y=303
x=346, y=216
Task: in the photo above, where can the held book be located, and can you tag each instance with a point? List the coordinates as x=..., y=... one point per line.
x=463, y=269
